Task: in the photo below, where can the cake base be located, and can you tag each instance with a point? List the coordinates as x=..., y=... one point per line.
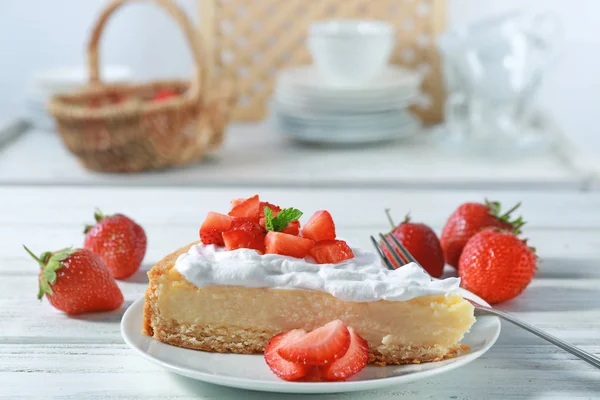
x=248, y=341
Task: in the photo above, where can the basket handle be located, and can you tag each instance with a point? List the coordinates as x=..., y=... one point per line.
x=192, y=35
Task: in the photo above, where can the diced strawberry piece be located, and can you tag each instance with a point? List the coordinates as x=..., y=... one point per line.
x=319, y=227
x=273, y=207
x=284, y=369
x=247, y=209
x=244, y=224
x=213, y=227
x=331, y=251
x=287, y=245
x=293, y=228
x=236, y=239
x=236, y=202
x=322, y=346
x=355, y=359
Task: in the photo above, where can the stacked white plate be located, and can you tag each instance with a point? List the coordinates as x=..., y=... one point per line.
x=309, y=108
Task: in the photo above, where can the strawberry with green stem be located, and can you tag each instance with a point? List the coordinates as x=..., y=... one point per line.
x=420, y=241
x=470, y=218
x=76, y=281
x=496, y=264
x=119, y=241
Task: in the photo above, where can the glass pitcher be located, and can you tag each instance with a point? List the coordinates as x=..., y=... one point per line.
x=493, y=70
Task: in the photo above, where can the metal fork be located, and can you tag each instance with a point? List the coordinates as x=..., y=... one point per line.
x=402, y=256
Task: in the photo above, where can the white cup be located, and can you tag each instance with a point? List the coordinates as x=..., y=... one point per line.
x=351, y=52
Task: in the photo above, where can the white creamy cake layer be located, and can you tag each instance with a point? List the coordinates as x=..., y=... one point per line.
x=360, y=279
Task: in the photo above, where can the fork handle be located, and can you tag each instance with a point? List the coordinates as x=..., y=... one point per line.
x=584, y=355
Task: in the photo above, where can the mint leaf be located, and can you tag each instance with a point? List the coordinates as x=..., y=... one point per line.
x=269, y=219
x=285, y=216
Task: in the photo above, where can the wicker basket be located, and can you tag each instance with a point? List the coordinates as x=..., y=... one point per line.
x=124, y=128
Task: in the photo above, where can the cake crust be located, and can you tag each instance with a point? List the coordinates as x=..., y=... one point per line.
x=231, y=339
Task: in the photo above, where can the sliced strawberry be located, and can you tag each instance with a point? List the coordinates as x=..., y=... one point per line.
x=236, y=202
x=244, y=224
x=236, y=239
x=287, y=245
x=355, y=359
x=319, y=227
x=247, y=209
x=293, y=228
x=322, y=346
x=273, y=207
x=282, y=368
x=213, y=227
x=331, y=251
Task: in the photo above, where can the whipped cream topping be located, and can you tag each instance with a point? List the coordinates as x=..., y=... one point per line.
x=359, y=279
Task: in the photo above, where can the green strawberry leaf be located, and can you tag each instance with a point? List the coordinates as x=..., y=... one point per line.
x=50, y=276
x=49, y=264
x=283, y=218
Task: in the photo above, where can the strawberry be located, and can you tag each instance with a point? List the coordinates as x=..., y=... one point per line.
x=164, y=94
x=331, y=251
x=236, y=239
x=496, y=265
x=248, y=208
x=244, y=233
x=119, y=241
x=470, y=218
x=211, y=231
x=77, y=281
x=284, y=369
x=293, y=228
x=319, y=227
x=321, y=346
x=420, y=241
x=236, y=202
x=355, y=359
x=273, y=207
x=287, y=245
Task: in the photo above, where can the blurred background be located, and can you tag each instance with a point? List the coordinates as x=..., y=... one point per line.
x=542, y=75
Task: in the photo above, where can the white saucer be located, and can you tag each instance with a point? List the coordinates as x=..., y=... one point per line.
x=344, y=104
x=307, y=80
x=251, y=371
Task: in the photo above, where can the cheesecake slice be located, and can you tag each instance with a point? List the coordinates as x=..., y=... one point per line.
x=206, y=298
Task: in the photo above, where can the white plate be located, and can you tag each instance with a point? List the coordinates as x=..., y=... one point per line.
x=345, y=135
x=379, y=118
x=307, y=79
x=344, y=105
x=251, y=371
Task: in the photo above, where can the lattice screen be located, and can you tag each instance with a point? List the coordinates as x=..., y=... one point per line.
x=252, y=39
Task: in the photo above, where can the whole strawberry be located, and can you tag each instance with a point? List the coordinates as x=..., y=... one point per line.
x=77, y=281
x=420, y=241
x=496, y=265
x=470, y=218
x=119, y=241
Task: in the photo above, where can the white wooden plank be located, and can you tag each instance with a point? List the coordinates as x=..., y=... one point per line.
x=254, y=155
x=93, y=372
x=39, y=206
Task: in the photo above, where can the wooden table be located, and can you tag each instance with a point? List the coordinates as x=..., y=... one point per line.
x=45, y=354
x=254, y=154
